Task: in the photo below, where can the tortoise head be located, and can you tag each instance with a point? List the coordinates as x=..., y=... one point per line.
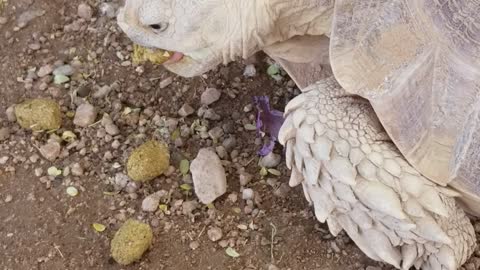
x=208, y=33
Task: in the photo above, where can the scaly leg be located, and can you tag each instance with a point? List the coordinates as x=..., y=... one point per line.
x=358, y=181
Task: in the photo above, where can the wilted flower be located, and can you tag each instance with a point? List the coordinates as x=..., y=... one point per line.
x=269, y=122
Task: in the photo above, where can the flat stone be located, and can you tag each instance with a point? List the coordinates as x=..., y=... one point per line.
x=84, y=11
x=51, y=150
x=214, y=234
x=4, y=133
x=210, y=96
x=44, y=71
x=150, y=203
x=65, y=70
x=165, y=82
x=209, y=179
x=186, y=110
x=270, y=161
x=85, y=115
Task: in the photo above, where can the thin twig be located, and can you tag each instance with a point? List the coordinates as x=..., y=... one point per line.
x=274, y=232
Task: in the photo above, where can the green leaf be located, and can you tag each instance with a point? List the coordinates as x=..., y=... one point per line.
x=263, y=171
x=232, y=252
x=186, y=187
x=274, y=172
x=72, y=191
x=273, y=70
x=175, y=134
x=163, y=207
x=98, y=227
x=184, y=166
x=60, y=79
x=68, y=136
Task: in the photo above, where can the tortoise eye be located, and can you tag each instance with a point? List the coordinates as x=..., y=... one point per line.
x=159, y=27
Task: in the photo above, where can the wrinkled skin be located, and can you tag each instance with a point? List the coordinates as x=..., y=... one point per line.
x=211, y=32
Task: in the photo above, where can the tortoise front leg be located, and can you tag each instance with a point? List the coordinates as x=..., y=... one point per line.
x=359, y=182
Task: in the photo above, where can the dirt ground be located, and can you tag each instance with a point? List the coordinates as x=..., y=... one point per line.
x=42, y=227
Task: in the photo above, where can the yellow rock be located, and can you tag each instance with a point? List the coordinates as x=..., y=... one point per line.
x=148, y=161
x=131, y=241
x=39, y=114
x=142, y=54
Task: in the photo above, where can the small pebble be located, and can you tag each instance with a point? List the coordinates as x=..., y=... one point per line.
x=249, y=71
x=44, y=71
x=194, y=245
x=77, y=169
x=112, y=129
x=65, y=70
x=247, y=194
x=85, y=11
x=210, y=96
x=10, y=112
x=186, y=110
x=165, y=82
x=245, y=178
x=85, y=115
x=270, y=161
x=150, y=203
x=51, y=150
x=107, y=9
x=4, y=133
x=214, y=234
x=8, y=198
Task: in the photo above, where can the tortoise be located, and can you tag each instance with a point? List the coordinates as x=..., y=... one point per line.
x=386, y=146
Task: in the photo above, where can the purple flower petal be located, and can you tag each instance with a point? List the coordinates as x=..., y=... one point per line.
x=268, y=121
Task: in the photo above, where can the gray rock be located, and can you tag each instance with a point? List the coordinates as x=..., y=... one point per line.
x=85, y=115
x=210, y=114
x=373, y=268
x=84, y=11
x=151, y=202
x=77, y=169
x=4, y=133
x=51, y=150
x=165, y=82
x=247, y=194
x=214, y=234
x=3, y=160
x=209, y=179
x=245, y=178
x=282, y=191
x=65, y=70
x=270, y=161
x=10, y=112
x=229, y=143
x=132, y=187
x=44, y=71
x=272, y=267
x=210, y=96
x=186, y=110
x=102, y=91
x=107, y=9
x=121, y=181
x=215, y=133
x=112, y=129
x=250, y=71
x=188, y=207
x=29, y=15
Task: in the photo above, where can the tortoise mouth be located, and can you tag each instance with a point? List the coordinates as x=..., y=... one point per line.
x=154, y=55
x=174, y=58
